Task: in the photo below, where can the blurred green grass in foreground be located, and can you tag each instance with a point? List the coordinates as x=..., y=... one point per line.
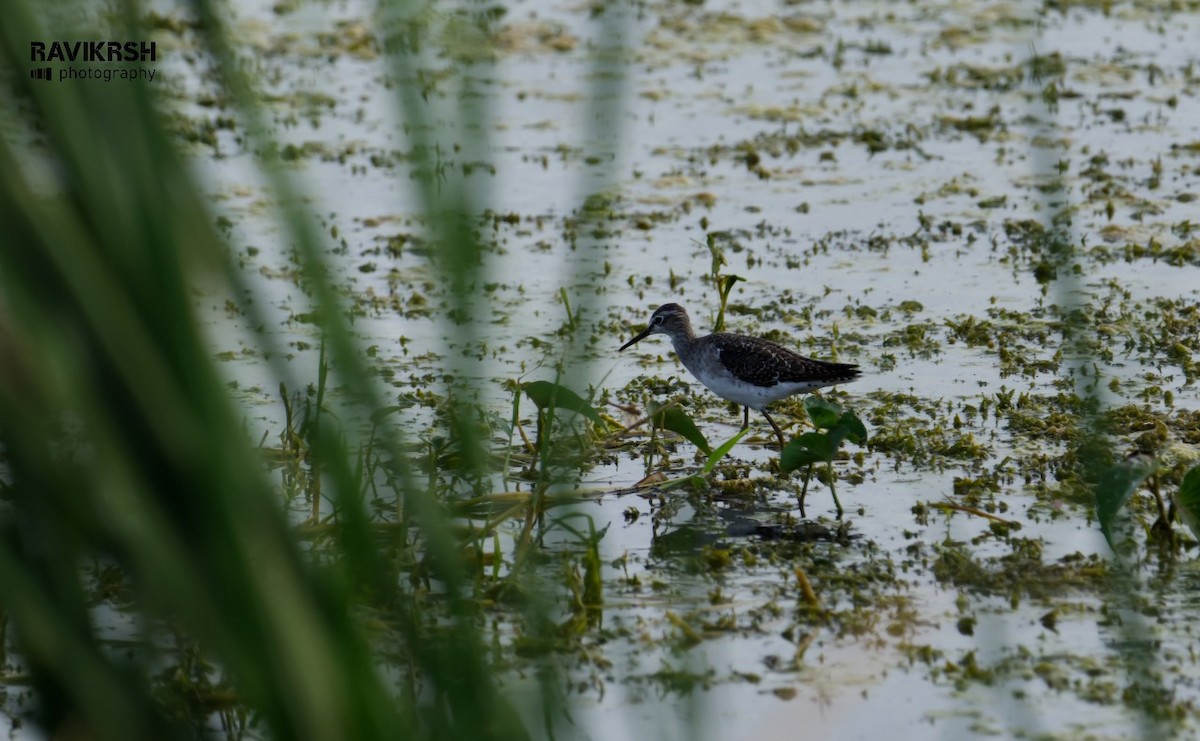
x=123, y=447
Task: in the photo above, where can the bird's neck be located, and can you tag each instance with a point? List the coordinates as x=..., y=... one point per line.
x=683, y=337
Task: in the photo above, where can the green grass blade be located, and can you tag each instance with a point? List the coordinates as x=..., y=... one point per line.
x=715, y=456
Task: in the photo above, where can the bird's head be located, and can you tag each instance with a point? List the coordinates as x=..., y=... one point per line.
x=669, y=319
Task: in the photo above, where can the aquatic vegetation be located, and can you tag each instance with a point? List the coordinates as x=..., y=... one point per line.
x=832, y=426
x=1122, y=480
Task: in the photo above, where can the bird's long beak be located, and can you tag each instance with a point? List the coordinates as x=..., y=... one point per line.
x=640, y=336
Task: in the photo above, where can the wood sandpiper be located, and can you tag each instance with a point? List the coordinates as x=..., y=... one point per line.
x=749, y=371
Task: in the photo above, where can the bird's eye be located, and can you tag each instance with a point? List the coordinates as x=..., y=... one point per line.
x=658, y=320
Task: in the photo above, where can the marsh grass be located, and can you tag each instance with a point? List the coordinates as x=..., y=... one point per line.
x=156, y=475
x=123, y=446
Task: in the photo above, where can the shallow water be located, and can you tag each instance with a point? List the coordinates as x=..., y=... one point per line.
x=849, y=180
x=858, y=156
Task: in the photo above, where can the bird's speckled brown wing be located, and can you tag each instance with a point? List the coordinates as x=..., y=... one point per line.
x=763, y=363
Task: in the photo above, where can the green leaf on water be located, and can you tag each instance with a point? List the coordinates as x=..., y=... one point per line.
x=822, y=413
x=1116, y=486
x=546, y=394
x=809, y=448
x=1187, y=499
x=671, y=417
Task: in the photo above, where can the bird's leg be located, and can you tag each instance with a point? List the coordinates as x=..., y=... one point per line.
x=745, y=417
x=778, y=431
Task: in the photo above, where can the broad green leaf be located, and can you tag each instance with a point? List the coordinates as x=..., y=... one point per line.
x=836, y=435
x=809, y=448
x=722, y=451
x=546, y=394
x=1116, y=486
x=848, y=427
x=822, y=412
x=672, y=418
x=856, y=431
x=1187, y=499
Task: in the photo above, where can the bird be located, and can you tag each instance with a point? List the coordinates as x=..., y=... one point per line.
x=748, y=371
